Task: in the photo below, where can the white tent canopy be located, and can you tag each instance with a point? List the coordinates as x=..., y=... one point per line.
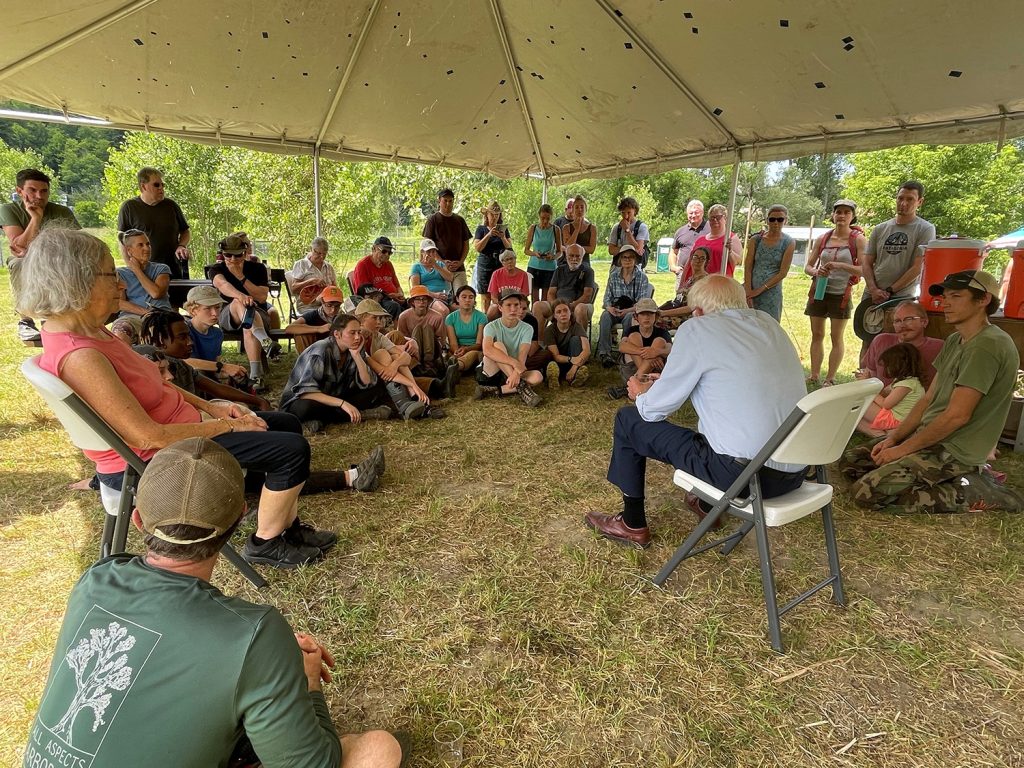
x=557, y=88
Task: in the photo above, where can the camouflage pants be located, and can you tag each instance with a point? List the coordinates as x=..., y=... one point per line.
x=928, y=480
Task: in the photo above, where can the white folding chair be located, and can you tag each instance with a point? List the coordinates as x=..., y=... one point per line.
x=90, y=432
x=815, y=434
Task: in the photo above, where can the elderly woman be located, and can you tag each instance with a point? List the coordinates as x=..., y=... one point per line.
x=675, y=311
x=432, y=274
x=509, y=276
x=766, y=265
x=310, y=275
x=68, y=278
x=145, y=281
x=490, y=240
x=714, y=241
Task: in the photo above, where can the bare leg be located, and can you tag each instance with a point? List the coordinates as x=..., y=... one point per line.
x=278, y=509
x=492, y=312
x=541, y=311
x=373, y=749
x=817, y=346
x=835, y=356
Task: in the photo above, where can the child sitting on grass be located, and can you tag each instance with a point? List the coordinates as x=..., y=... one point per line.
x=902, y=362
x=646, y=347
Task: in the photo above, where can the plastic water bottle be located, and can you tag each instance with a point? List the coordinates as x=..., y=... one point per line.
x=247, y=318
x=819, y=288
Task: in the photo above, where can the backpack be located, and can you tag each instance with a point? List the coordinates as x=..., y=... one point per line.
x=641, y=257
x=854, y=256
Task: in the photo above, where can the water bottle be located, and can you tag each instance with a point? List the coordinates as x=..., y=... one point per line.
x=247, y=318
x=819, y=288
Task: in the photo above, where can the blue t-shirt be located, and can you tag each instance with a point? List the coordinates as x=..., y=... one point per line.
x=430, y=279
x=465, y=333
x=134, y=291
x=206, y=346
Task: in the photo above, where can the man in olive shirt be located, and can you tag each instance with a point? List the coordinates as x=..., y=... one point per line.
x=23, y=219
x=160, y=218
x=931, y=461
x=154, y=665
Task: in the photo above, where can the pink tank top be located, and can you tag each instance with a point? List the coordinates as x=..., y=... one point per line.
x=160, y=400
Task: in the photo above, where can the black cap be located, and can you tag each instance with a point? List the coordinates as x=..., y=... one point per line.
x=367, y=289
x=445, y=192
x=383, y=243
x=968, y=278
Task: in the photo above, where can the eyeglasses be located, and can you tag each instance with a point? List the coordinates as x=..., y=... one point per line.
x=157, y=184
x=776, y=219
x=234, y=255
x=109, y=274
x=716, y=217
x=901, y=320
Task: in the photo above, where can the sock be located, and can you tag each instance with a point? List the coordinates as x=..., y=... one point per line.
x=258, y=541
x=260, y=334
x=255, y=369
x=350, y=476
x=633, y=512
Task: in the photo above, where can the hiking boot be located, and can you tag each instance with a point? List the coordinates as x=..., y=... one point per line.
x=379, y=413
x=258, y=385
x=311, y=427
x=433, y=412
x=412, y=410
x=617, y=393
x=981, y=493
x=280, y=553
x=608, y=361
x=451, y=378
x=482, y=392
x=582, y=374
x=27, y=331
x=528, y=396
x=271, y=348
x=368, y=471
x=551, y=375
x=306, y=535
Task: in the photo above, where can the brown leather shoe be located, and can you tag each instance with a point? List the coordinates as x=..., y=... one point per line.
x=693, y=502
x=612, y=527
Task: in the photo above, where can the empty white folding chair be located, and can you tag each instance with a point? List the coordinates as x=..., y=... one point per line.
x=815, y=434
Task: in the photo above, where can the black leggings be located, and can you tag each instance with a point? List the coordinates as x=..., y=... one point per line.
x=310, y=410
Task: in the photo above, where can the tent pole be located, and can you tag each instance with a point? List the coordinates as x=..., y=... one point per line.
x=729, y=214
x=316, y=191
x=544, y=190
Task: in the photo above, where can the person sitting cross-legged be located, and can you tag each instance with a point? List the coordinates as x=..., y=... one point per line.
x=465, y=327
x=203, y=305
x=332, y=383
x=507, y=343
x=141, y=633
x=569, y=346
x=645, y=349
x=426, y=328
x=710, y=365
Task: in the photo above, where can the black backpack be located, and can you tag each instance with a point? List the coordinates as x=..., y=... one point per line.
x=641, y=258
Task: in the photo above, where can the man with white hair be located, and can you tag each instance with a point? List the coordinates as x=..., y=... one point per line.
x=310, y=275
x=684, y=238
x=710, y=364
x=573, y=281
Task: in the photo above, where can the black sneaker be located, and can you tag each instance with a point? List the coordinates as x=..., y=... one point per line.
x=617, y=393
x=451, y=378
x=378, y=413
x=305, y=534
x=280, y=553
x=311, y=427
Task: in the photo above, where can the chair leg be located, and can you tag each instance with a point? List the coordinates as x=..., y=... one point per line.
x=838, y=597
x=250, y=574
x=685, y=549
x=124, y=511
x=729, y=546
x=771, y=603
x=107, y=538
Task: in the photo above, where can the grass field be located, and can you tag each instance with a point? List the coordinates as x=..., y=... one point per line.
x=468, y=588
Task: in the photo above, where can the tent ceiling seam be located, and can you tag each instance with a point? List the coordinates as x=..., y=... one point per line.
x=670, y=73
x=49, y=49
x=499, y=23
x=371, y=14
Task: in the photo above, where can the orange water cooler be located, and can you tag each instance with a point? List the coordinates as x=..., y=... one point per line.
x=1014, y=304
x=943, y=257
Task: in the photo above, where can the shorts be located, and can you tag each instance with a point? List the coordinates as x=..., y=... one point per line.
x=885, y=420
x=541, y=278
x=227, y=322
x=831, y=306
x=497, y=380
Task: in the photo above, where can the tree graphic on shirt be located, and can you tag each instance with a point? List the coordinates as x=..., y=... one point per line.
x=99, y=665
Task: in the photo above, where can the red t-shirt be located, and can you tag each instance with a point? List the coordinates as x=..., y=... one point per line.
x=928, y=347
x=501, y=279
x=714, y=265
x=141, y=376
x=382, y=277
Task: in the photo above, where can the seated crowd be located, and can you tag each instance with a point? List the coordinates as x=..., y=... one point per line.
x=384, y=353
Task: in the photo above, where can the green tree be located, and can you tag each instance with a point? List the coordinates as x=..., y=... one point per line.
x=13, y=160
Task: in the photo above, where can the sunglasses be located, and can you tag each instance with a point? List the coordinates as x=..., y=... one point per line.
x=157, y=184
x=234, y=255
x=776, y=219
x=716, y=218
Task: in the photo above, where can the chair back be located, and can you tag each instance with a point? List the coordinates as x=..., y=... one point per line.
x=830, y=415
x=86, y=429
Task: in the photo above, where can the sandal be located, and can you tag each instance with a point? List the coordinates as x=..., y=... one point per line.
x=828, y=383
